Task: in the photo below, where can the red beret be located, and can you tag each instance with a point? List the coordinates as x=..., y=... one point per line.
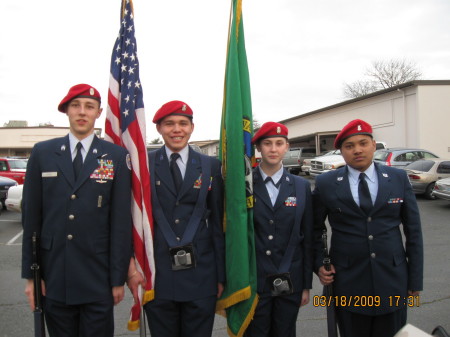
x=270, y=129
x=79, y=90
x=173, y=108
x=355, y=127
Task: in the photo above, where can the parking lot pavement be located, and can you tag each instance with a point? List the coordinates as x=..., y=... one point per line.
x=16, y=318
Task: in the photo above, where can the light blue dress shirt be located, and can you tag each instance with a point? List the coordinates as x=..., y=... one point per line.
x=371, y=178
x=86, y=145
x=271, y=188
x=182, y=161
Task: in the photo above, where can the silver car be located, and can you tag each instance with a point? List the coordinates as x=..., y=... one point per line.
x=400, y=157
x=423, y=175
x=442, y=189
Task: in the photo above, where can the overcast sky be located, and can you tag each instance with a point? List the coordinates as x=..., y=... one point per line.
x=299, y=52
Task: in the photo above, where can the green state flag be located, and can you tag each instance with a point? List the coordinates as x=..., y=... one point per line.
x=237, y=155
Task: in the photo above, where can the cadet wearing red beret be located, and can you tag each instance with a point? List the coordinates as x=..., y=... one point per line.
x=177, y=108
x=355, y=127
x=184, y=184
x=79, y=90
x=73, y=185
x=270, y=129
x=282, y=214
x=365, y=204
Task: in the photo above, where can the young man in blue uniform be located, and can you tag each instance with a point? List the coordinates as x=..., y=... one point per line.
x=374, y=275
x=76, y=198
x=283, y=237
x=187, y=200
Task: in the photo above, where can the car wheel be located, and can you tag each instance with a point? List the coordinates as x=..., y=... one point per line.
x=428, y=191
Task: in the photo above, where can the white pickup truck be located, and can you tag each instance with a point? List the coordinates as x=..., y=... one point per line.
x=332, y=161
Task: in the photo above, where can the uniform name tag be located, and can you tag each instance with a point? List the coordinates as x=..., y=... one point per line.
x=49, y=174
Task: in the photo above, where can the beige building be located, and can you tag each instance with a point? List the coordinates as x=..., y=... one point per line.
x=413, y=114
x=208, y=147
x=18, y=141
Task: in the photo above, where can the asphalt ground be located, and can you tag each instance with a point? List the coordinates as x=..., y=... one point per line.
x=16, y=320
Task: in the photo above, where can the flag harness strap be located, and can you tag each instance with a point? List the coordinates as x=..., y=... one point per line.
x=196, y=216
x=289, y=253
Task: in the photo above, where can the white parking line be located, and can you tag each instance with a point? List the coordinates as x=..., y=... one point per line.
x=12, y=241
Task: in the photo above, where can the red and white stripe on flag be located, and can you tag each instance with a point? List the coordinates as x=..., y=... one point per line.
x=125, y=126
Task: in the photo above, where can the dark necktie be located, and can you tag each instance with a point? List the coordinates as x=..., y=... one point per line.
x=78, y=161
x=270, y=179
x=365, y=201
x=175, y=170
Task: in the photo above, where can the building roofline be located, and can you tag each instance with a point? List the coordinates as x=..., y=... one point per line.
x=373, y=94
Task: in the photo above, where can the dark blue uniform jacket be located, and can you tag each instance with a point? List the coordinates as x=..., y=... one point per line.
x=84, y=226
x=274, y=228
x=367, y=250
x=208, y=242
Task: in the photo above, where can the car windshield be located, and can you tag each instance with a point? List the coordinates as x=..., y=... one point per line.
x=429, y=155
x=17, y=164
x=380, y=155
x=420, y=165
x=291, y=154
x=333, y=152
x=330, y=153
x=309, y=153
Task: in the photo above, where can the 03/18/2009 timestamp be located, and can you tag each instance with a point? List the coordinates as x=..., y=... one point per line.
x=366, y=301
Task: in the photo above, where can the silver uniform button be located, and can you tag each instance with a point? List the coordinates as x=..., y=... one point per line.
x=369, y=219
x=178, y=239
x=270, y=237
x=69, y=237
x=268, y=252
x=177, y=221
x=271, y=222
x=370, y=237
x=71, y=217
x=73, y=197
x=373, y=255
x=177, y=203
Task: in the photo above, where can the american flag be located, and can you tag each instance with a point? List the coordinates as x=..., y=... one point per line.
x=125, y=126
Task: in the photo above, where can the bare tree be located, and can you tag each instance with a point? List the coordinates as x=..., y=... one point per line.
x=46, y=124
x=359, y=88
x=156, y=141
x=382, y=75
x=393, y=72
x=16, y=124
x=256, y=124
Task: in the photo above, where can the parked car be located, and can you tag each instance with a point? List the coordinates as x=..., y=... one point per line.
x=13, y=168
x=400, y=157
x=326, y=163
x=306, y=167
x=5, y=185
x=293, y=159
x=380, y=145
x=442, y=189
x=424, y=173
x=332, y=161
x=14, y=198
